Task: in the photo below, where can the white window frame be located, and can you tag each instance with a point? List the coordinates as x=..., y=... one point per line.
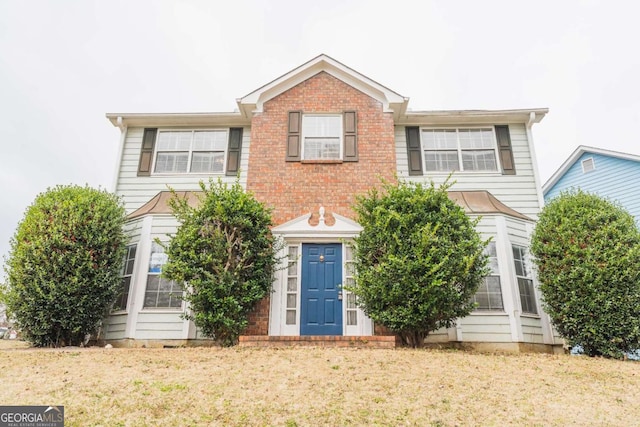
x=152, y=271
x=460, y=150
x=190, y=152
x=586, y=161
x=340, y=136
x=527, y=269
x=494, y=273
x=124, y=275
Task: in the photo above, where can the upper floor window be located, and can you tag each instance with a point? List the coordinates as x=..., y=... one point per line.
x=203, y=151
x=525, y=280
x=197, y=151
x=322, y=137
x=471, y=149
x=447, y=150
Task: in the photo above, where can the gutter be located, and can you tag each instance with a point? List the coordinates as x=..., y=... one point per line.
x=123, y=134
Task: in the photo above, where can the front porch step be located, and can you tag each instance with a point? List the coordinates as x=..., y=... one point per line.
x=378, y=341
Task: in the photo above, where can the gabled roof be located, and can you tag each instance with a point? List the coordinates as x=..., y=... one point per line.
x=582, y=149
x=254, y=101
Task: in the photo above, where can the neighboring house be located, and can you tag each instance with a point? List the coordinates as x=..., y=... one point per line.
x=305, y=144
x=607, y=173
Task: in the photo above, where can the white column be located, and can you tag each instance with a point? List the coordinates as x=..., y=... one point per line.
x=508, y=281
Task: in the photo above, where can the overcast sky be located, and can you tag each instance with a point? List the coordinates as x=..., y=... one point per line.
x=64, y=64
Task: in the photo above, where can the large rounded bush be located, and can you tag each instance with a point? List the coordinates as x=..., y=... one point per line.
x=64, y=265
x=419, y=259
x=587, y=253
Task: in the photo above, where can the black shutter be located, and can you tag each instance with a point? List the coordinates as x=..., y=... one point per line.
x=350, y=153
x=233, y=154
x=146, y=152
x=414, y=153
x=293, y=136
x=505, y=150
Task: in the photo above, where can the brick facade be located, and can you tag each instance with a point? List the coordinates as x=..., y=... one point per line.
x=293, y=189
x=296, y=188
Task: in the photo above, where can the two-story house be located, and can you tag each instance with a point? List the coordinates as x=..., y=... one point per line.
x=306, y=144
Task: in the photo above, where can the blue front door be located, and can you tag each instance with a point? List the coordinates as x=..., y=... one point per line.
x=321, y=308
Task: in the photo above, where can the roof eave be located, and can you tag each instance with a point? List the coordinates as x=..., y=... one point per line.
x=177, y=119
x=451, y=117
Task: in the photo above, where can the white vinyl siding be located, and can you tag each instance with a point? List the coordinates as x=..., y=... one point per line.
x=321, y=137
x=137, y=190
x=518, y=191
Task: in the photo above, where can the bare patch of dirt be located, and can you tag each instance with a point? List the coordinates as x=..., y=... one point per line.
x=316, y=386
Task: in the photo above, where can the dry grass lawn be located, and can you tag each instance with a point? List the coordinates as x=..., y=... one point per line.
x=316, y=386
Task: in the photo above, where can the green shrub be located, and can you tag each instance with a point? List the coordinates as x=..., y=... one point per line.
x=587, y=253
x=224, y=251
x=64, y=265
x=419, y=259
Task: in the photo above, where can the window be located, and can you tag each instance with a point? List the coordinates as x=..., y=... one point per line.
x=160, y=293
x=190, y=151
x=292, y=285
x=352, y=309
x=447, y=150
x=126, y=273
x=525, y=280
x=588, y=165
x=489, y=294
x=322, y=137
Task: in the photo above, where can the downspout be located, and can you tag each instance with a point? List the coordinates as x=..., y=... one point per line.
x=534, y=159
x=123, y=134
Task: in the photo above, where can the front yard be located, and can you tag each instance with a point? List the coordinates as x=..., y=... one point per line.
x=315, y=386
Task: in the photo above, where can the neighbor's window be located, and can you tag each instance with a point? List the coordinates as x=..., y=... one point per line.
x=160, y=293
x=489, y=294
x=322, y=136
x=525, y=280
x=126, y=273
x=459, y=149
x=190, y=151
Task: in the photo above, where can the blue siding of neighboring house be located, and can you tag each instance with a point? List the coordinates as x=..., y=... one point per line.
x=613, y=178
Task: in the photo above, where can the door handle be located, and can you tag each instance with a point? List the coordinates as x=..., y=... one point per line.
x=339, y=295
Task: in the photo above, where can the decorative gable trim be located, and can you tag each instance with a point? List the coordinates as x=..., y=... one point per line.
x=391, y=101
x=301, y=227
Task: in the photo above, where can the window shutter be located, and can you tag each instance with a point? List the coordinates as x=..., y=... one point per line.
x=350, y=153
x=146, y=153
x=506, y=153
x=414, y=154
x=233, y=152
x=293, y=136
